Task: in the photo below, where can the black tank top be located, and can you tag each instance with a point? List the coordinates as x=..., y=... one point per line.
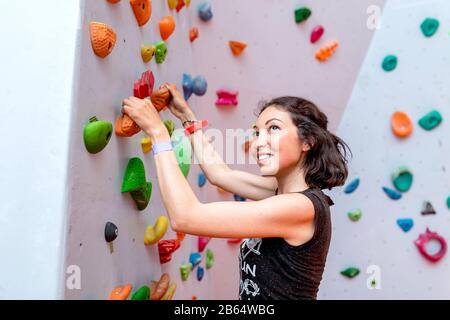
x=272, y=269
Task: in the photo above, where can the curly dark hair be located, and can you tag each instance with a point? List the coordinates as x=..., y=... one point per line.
x=325, y=164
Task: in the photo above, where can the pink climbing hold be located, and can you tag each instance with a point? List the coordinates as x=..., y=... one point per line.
x=202, y=242
x=226, y=98
x=317, y=33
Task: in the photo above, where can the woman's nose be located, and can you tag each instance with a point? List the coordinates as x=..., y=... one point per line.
x=261, y=139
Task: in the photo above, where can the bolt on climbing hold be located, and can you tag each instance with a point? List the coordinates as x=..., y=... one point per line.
x=134, y=182
x=195, y=258
x=111, y=233
x=187, y=86
x=161, y=52
x=422, y=242
x=205, y=11
x=193, y=34
x=142, y=10
x=166, y=248
x=350, y=272
x=161, y=98
x=181, y=235
x=448, y=202
x=201, y=180
x=121, y=292
x=125, y=126
x=226, y=98
x=103, y=39
x=159, y=288
x=427, y=208
x=172, y=4
x=143, y=293
x=155, y=232
x=200, y=273
x=147, y=52
x=183, y=151
x=394, y=195
x=96, y=135
x=327, y=51
x=431, y=120
x=209, y=258
x=170, y=292
x=389, y=63
x=405, y=224
x=238, y=198
x=170, y=126
x=237, y=47
x=113, y=1
x=316, y=34
x=199, y=85
x=202, y=242
x=233, y=241
x=354, y=215
x=146, y=144
x=402, y=179
x=143, y=87
x=166, y=27
x=185, y=269
x=429, y=27
x=302, y=14
x=352, y=186
x=401, y=124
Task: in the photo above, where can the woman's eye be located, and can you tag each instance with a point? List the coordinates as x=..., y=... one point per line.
x=274, y=126
x=256, y=133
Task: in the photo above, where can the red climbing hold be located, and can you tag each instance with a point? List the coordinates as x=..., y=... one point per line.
x=317, y=33
x=166, y=248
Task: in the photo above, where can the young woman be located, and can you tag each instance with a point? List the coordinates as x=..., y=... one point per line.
x=287, y=228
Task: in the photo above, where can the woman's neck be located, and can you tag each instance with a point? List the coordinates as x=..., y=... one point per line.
x=292, y=182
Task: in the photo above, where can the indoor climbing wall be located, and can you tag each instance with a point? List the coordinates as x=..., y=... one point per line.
x=396, y=124
x=274, y=52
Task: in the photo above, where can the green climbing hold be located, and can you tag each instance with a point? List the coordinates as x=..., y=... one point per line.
x=302, y=14
x=390, y=63
x=185, y=269
x=134, y=183
x=161, y=52
x=355, y=215
x=429, y=27
x=142, y=294
x=183, y=150
x=96, y=135
x=170, y=125
x=402, y=179
x=350, y=272
x=448, y=202
x=209, y=258
x=431, y=120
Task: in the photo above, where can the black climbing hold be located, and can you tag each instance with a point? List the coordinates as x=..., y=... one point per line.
x=428, y=208
x=111, y=232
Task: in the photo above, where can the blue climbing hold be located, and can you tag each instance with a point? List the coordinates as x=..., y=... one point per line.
x=405, y=224
x=187, y=86
x=200, y=273
x=238, y=198
x=394, y=195
x=195, y=258
x=352, y=186
x=201, y=179
x=205, y=11
x=199, y=85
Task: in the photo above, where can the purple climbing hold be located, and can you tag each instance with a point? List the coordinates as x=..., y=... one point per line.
x=352, y=186
x=394, y=195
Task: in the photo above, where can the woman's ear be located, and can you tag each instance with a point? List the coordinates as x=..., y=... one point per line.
x=306, y=147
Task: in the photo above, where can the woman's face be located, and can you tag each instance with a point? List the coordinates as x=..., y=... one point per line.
x=276, y=145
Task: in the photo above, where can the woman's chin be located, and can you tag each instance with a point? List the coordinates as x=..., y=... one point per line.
x=267, y=170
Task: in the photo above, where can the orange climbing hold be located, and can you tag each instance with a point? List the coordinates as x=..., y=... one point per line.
x=161, y=98
x=401, y=124
x=103, y=39
x=159, y=288
x=142, y=10
x=121, y=292
x=193, y=34
x=237, y=47
x=327, y=51
x=170, y=292
x=166, y=27
x=180, y=236
x=125, y=126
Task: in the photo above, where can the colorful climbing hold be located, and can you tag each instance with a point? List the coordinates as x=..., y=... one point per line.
x=431, y=120
x=401, y=124
x=111, y=233
x=147, y=52
x=234, y=241
x=448, y=202
x=205, y=11
x=350, y=272
x=180, y=235
x=302, y=14
x=143, y=293
x=134, y=183
x=166, y=27
x=389, y=63
x=161, y=98
x=143, y=87
x=354, y=215
x=187, y=86
x=195, y=258
x=238, y=198
x=142, y=10
x=121, y=292
x=166, y=248
x=199, y=85
x=327, y=51
x=352, y=186
x=172, y=4
x=316, y=34
x=394, y=195
x=201, y=180
x=200, y=273
x=125, y=126
x=170, y=126
x=209, y=258
x=170, y=292
x=405, y=224
x=183, y=150
x=427, y=208
x=429, y=27
x=161, y=52
x=423, y=240
x=202, y=242
x=226, y=98
x=113, y=1
x=103, y=39
x=96, y=135
x=159, y=288
x=155, y=232
x=237, y=47
x=402, y=179
x=193, y=34
x=146, y=144
x=185, y=269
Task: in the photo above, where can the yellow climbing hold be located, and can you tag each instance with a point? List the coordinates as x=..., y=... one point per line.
x=170, y=292
x=146, y=144
x=155, y=232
